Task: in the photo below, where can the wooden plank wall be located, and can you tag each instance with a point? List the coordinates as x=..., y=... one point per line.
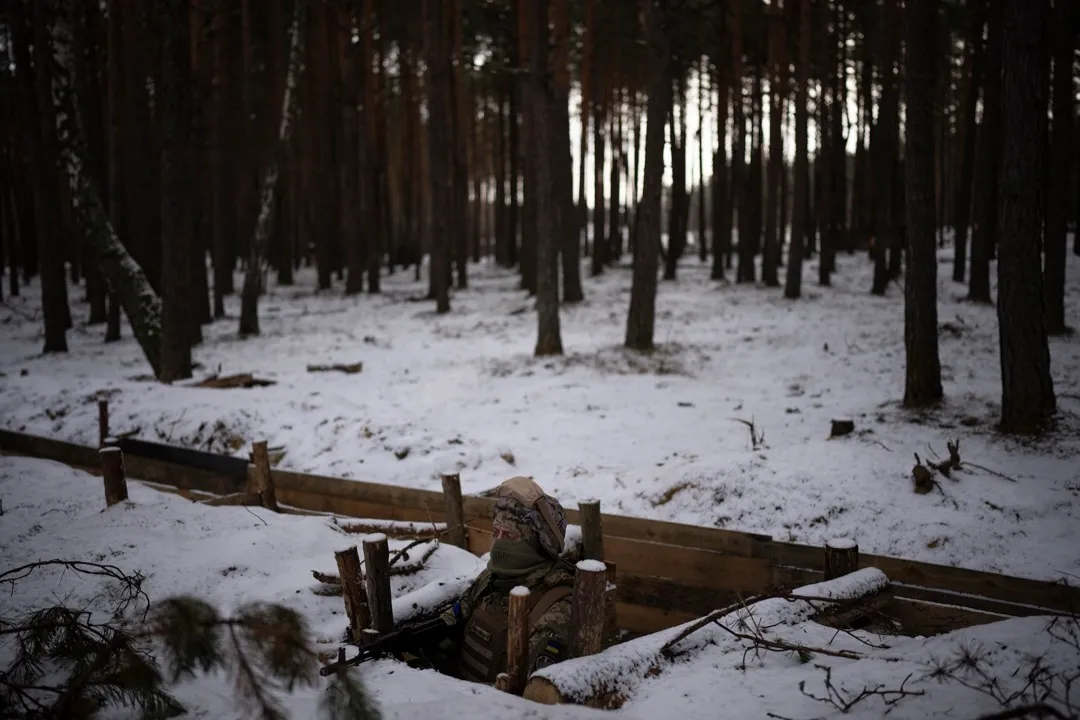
x=668, y=573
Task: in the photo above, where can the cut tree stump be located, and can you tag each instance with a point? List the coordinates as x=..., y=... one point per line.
x=840, y=428
x=455, y=510
x=356, y=604
x=588, y=613
x=841, y=558
x=348, y=369
x=112, y=470
x=377, y=582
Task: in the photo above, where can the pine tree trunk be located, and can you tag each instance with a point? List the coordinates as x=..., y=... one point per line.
x=721, y=192
x=587, y=61
x=529, y=159
x=1062, y=153
x=990, y=141
x=43, y=153
x=249, y=295
x=355, y=225
x=599, y=237
x=793, y=284
x=218, y=131
x=778, y=81
x=974, y=57
x=922, y=379
x=676, y=229
x=541, y=98
x=738, y=139
x=1027, y=397
x=884, y=144
x=641, y=319
x=176, y=190
x=440, y=136
x=569, y=232
x=702, y=222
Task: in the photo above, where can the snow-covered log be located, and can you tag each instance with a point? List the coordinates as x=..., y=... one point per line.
x=607, y=679
x=124, y=276
x=249, y=295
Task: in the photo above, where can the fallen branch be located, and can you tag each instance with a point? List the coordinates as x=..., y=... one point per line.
x=348, y=369
x=242, y=380
x=233, y=499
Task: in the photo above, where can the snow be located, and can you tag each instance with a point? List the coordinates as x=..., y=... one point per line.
x=655, y=435
x=591, y=566
x=375, y=538
x=234, y=555
x=520, y=591
x=841, y=543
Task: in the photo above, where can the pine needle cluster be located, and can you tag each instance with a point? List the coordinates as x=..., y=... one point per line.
x=68, y=665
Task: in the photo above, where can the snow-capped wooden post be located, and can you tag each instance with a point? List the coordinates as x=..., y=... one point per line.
x=377, y=581
x=352, y=587
x=592, y=530
x=112, y=470
x=587, y=612
x=455, y=510
x=841, y=557
x=517, y=643
x=102, y=421
x=264, y=480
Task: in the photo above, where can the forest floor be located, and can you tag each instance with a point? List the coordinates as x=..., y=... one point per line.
x=658, y=435
x=230, y=556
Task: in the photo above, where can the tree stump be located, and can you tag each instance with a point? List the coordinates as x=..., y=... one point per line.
x=112, y=470
x=840, y=428
x=377, y=580
x=592, y=530
x=517, y=640
x=103, y=422
x=588, y=608
x=455, y=510
x=264, y=481
x=356, y=605
x=841, y=558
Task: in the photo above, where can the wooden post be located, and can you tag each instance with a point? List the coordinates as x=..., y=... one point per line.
x=588, y=608
x=112, y=470
x=356, y=605
x=377, y=580
x=592, y=530
x=841, y=557
x=102, y=421
x=611, y=626
x=455, y=510
x=517, y=643
x=264, y=480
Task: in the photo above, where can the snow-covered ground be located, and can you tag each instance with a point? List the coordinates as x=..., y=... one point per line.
x=233, y=555
x=655, y=436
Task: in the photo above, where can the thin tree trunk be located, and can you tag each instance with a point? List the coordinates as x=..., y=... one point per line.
x=922, y=379
x=974, y=58
x=1061, y=158
x=721, y=192
x=220, y=243
x=778, y=56
x=249, y=295
x=587, y=62
x=641, y=319
x=793, y=284
x=568, y=232
x=541, y=98
x=440, y=136
x=1027, y=389
x=703, y=248
x=355, y=226
x=989, y=161
x=176, y=190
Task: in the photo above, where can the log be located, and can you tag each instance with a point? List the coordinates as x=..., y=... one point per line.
x=517, y=641
x=103, y=421
x=356, y=604
x=588, y=613
x=377, y=581
x=455, y=510
x=264, y=479
x=112, y=470
x=841, y=557
x=246, y=499
x=228, y=382
x=602, y=680
x=592, y=530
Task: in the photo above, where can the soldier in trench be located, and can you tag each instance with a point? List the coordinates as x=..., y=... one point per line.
x=529, y=527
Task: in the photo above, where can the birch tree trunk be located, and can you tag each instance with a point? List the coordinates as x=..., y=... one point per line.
x=249, y=296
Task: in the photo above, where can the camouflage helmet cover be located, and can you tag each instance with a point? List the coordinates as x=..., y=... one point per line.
x=524, y=511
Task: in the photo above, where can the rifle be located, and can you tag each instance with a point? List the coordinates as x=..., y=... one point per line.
x=404, y=638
